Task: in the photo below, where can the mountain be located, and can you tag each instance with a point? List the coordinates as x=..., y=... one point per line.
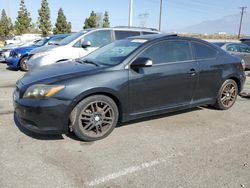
x=228, y=24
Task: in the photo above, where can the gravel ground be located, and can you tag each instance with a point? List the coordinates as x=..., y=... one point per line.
x=200, y=147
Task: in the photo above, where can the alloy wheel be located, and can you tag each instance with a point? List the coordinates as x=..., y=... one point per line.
x=96, y=119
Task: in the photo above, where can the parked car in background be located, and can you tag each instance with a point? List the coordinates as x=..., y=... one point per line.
x=82, y=43
x=246, y=40
x=238, y=49
x=5, y=51
x=127, y=79
x=22, y=38
x=18, y=56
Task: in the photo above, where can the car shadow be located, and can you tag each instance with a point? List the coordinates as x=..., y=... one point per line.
x=10, y=69
x=165, y=115
x=34, y=135
x=119, y=125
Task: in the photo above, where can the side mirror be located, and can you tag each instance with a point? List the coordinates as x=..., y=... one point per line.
x=141, y=62
x=85, y=44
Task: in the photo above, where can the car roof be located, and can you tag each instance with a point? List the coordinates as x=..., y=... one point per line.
x=245, y=38
x=125, y=28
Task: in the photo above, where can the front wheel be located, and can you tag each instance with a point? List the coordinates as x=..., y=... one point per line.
x=94, y=118
x=23, y=63
x=227, y=95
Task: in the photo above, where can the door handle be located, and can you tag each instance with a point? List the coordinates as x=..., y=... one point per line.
x=192, y=72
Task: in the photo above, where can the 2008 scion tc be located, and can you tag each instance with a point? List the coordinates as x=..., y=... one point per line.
x=125, y=80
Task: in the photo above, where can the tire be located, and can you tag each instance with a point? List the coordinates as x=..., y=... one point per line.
x=227, y=95
x=23, y=63
x=94, y=118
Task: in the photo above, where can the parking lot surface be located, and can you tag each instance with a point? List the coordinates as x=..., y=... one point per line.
x=201, y=147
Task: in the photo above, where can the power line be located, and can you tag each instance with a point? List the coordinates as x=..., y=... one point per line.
x=241, y=18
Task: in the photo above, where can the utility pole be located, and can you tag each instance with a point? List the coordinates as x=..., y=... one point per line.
x=241, y=18
x=160, y=15
x=130, y=18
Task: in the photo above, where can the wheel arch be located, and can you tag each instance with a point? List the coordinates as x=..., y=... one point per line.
x=106, y=92
x=238, y=82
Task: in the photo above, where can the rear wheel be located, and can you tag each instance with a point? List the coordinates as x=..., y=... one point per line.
x=23, y=63
x=94, y=118
x=227, y=95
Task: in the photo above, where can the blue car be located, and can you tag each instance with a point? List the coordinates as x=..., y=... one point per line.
x=18, y=56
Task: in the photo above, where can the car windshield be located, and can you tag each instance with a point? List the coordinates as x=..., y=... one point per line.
x=71, y=38
x=116, y=52
x=41, y=42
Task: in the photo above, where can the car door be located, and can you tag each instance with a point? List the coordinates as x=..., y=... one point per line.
x=97, y=39
x=170, y=82
x=210, y=73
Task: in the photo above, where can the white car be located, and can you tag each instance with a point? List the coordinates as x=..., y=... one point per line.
x=80, y=44
x=23, y=38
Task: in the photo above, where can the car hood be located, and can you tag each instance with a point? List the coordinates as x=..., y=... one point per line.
x=26, y=48
x=59, y=71
x=45, y=48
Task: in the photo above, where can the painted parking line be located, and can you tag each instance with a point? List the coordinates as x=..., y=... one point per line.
x=131, y=170
x=223, y=139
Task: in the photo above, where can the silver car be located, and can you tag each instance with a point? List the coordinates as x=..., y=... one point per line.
x=81, y=44
x=238, y=49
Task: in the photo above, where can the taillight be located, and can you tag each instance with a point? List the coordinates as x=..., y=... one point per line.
x=243, y=64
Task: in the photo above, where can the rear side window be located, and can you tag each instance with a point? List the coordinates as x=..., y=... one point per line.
x=147, y=33
x=244, y=49
x=99, y=38
x=204, y=51
x=233, y=48
x=168, y=52
x=124, y=34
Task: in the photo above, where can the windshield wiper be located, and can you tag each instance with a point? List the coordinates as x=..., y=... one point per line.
x=87, y=61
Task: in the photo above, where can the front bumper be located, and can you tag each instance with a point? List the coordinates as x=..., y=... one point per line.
x=13, y=62
x=47, y=116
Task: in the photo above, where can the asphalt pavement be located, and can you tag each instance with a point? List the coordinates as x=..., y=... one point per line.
x=200, y=147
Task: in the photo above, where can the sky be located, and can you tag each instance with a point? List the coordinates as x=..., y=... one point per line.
x=177, y=14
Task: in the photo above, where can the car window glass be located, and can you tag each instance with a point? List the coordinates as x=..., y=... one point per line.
x=204, y=51
x=233, y=48
x=168, y=51
x=124, y=34
x=147, y=33
x=99, y=38
x=244, y=48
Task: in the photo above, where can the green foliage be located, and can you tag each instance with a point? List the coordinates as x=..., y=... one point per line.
x=62, y=26
x=106, y=22
x=44, y=23
x=91, y=21
x=5, y=24
x=23, y=20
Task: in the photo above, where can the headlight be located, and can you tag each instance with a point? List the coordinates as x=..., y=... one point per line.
x=41, y=91
x=40, y=54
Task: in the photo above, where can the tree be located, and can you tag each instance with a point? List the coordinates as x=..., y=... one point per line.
x=5, y=24
x=62, y=26
x=23, y=20
x=91, y=21
x=106, y=20
x=44, y=23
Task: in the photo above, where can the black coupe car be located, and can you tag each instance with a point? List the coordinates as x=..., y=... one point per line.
x=127, y=79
